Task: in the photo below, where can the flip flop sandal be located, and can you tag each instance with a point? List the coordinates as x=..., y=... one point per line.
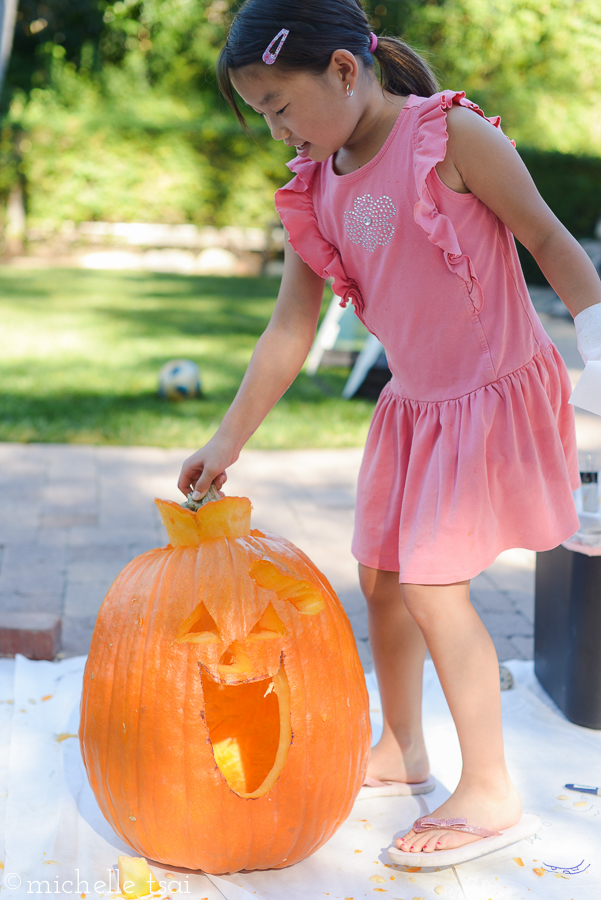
x=491, y=840
x=374, y=788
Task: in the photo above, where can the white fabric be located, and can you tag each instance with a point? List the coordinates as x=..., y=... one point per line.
x=588, y=332
x=587, y=393
x=6, y=715
x=53, y=827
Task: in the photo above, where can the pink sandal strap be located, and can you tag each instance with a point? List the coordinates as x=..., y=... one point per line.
x=429, y=823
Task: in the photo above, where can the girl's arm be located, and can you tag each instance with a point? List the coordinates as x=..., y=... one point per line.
x=275, y=363
x=481, y=159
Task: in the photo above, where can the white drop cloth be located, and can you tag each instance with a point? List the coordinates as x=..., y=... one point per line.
x=54, y=833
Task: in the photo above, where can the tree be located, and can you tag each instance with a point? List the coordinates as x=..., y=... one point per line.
x=110, y=110
x=536, y=62
x=124, y=120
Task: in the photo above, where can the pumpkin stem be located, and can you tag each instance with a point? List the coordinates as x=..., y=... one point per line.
x=195, y=505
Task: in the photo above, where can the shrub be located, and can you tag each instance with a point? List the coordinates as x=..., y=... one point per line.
x=571, y=185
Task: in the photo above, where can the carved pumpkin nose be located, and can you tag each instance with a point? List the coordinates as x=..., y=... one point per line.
x=229, y=658
x=239, y=657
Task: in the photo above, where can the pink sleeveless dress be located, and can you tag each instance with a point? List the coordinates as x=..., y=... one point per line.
x=472, y=448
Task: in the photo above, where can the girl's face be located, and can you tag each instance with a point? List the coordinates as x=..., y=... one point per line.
x=312, y=113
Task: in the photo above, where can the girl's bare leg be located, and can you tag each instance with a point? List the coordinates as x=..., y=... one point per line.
x=398, y=650
x=467, y=666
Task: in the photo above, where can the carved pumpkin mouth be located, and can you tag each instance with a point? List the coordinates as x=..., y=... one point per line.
x=249, y=727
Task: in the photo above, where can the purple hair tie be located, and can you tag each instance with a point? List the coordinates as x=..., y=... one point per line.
x=374, y=42
x=268, y=57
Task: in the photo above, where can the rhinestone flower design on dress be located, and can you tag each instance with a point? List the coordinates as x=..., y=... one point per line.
x=368, y=222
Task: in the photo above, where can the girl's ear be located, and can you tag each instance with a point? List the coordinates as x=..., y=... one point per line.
x=345, y=68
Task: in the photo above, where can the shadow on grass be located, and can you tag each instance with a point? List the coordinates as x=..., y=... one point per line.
x=200, y=321
x=37, y=284
x=84, y=348
x=144, y=417
x=66, y=404
x=150, y=303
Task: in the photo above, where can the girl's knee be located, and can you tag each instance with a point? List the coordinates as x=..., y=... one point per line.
x=416, y=605
x=425, y=601
x=379, y=587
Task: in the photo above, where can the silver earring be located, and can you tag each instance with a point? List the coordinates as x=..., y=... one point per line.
x=349, y=92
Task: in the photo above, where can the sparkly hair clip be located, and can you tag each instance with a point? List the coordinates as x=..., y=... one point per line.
x=270, y=57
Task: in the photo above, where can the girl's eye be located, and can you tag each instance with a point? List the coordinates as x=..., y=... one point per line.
x=277, y=113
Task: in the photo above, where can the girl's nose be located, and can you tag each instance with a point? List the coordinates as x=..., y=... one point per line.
x=279, y=132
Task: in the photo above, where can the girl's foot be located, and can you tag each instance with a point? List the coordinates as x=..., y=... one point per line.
x=388, y=762
x=494, y=810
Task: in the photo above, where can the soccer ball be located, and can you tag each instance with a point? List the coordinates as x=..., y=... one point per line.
x=179, y=379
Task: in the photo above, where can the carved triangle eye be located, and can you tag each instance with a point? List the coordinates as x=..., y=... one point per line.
x=268, y=627
x=303, y=595
x=199, y=628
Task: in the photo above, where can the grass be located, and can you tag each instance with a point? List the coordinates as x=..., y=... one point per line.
x=80, y=352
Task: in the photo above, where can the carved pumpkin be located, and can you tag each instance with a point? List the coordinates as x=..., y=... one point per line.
x=224, y=721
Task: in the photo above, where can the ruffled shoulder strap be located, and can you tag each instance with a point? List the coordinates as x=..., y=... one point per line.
x=294, y=203
x=430, y=144
x=304, y=170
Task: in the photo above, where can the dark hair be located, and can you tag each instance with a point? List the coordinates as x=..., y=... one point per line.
x=318, y=28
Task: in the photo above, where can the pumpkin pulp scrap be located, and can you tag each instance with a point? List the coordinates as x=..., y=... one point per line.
x=135, y=878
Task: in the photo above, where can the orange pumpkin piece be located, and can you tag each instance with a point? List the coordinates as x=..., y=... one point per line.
x=135, y=878
x=224, y=719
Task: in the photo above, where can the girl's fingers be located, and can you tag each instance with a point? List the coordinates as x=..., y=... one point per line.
x=206, y=480
x=188, y=476
x=220, y=481
x=192, y=469
x=199, y=471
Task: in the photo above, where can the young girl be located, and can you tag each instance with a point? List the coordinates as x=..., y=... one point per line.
x=408, y=198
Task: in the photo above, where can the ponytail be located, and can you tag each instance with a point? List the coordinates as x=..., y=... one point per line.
x=316, y=29
x=402, y=70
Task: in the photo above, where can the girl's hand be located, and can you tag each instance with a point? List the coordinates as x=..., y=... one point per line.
x=205, y=467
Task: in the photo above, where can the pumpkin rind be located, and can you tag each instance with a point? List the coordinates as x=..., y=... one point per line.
x=145, y=734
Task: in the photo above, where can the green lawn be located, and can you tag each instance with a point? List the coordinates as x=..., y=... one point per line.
x=80, y=352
